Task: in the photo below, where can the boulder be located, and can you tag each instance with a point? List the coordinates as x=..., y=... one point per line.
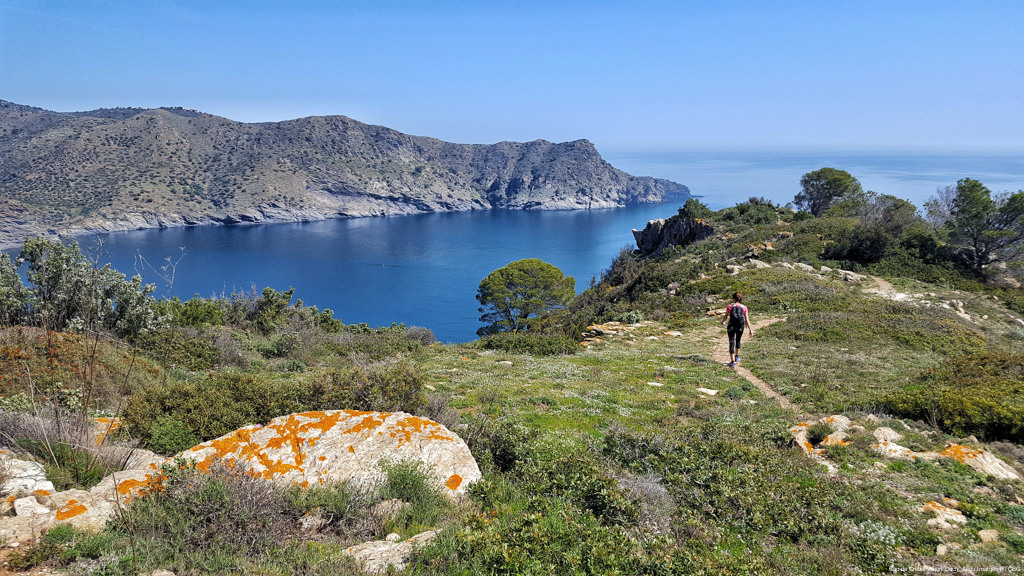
x=885, y=434
x=375, y=557
x=988, y=535
x=804, y=267
x=22, y=476
x=982, y=461
x=83, y=509
x=838, y=423
x=341, y=446
x=945, y=518
x=755, y=264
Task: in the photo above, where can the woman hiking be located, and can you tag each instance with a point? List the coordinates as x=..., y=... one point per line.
x=736, y=319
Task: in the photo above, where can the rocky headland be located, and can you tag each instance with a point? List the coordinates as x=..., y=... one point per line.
x=71, y=174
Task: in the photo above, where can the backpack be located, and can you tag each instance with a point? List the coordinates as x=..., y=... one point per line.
x=736, y=317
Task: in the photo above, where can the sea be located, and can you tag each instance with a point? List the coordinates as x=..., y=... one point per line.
x=424, y=270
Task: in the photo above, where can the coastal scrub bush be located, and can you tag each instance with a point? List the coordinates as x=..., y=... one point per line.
x=981, y=394
x=169, y=436
x=180, y=348
x=219, y=403
x=538, y=344
x=210, y=406
x=409, y=481
x=388, y=388
x=208, y=522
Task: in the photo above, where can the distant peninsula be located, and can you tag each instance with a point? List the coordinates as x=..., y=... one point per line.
x=75, y=173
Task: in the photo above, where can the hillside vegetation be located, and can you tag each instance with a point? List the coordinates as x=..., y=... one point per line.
x=635, y=451
x=128, y=168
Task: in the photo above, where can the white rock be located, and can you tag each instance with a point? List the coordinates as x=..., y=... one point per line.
x=785, y=265
x=825, y=269
x=707, y=391
x=342, y=445
x=988, y=535
x=838, y=423
x=756, y=264
x=28, y=506
x=375, y=557
x=655, y=384
x=945, y=518
x=804, y=267
x=886, y=434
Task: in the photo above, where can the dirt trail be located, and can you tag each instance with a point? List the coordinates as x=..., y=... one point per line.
x=720, y=353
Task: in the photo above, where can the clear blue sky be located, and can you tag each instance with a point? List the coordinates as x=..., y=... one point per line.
x=627, y=75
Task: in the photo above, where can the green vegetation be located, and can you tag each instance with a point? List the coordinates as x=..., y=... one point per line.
x=637, y=453
x=828, y=188
x=514, y=293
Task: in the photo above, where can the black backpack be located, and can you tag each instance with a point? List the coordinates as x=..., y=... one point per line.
x=736, y=317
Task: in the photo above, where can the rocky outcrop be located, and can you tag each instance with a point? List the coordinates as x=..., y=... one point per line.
x=76, y=173
x=39, y=510
x=675, y=231
x=341, y=446
x=375, y=557
x=299, y=449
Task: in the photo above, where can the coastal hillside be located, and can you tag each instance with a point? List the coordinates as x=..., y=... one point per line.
x=872, y=426
x=129, y=168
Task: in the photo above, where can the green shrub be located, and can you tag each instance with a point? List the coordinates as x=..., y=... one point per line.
x=409, y=481
x=62, y=545
x=220, y=403
x=981, y=394
x=169, y=436
x=816, y=434
x=177, y=347
x=580, y=479
x=530, y=343
x=211, y=406
x=387, y=388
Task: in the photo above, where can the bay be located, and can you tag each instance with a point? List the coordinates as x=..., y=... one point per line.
x=424, y=270
x=420, y=270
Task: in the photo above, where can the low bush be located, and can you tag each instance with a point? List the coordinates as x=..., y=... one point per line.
x=980, y=394
x=220, y=403
x=180, y=348
x=169, y=436
x=410, y=481
x=206, y=522
x=530, y=343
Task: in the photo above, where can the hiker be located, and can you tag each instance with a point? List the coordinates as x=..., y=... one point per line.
x=736, y=318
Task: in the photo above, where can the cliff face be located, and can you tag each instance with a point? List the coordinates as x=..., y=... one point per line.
x=74, y=173
x=674, y=231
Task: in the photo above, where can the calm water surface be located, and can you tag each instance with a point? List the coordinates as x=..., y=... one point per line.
x=424, y=270
x=419, y=270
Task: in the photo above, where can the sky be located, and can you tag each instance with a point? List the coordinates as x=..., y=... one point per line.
x=627, y=75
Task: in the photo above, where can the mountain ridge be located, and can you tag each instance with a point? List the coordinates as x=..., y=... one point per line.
x=74, y=173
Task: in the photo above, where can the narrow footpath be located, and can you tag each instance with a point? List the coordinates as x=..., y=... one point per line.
x=720, y=354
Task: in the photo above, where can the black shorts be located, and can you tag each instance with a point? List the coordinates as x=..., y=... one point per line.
x=735, y=335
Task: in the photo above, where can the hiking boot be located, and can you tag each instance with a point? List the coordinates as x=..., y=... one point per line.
x=732, y=364
x=737, y=360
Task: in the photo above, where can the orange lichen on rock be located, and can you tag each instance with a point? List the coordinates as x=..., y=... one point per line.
x=454, y=481
x=133, y=488
x=961, y=453
x=106, y=426
x=42, y=493
x=70, y=510
x=416, y=425
x=367, y=423
x=351, y=450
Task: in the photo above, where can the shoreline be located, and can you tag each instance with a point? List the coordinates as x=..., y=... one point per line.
x=262, y=215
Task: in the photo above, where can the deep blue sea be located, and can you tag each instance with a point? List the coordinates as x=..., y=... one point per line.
x=424, y=270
